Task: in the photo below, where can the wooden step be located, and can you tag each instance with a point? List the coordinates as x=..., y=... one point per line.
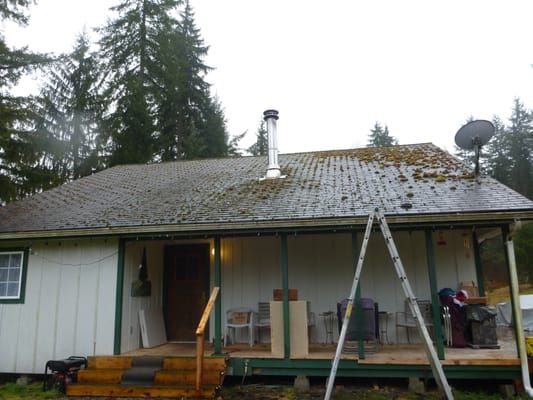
x=104, y=377
x=113, y=362
x=186, y=377
x=100, y=375
x=189, y=363
x=102, y=390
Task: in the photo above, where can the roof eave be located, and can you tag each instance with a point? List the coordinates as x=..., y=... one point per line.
x=404, y=220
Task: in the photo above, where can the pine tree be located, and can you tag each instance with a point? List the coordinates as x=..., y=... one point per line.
x=380, y=137
x=70, y=112
x=161, y=108
x=185, y=103
x=510, y=151
x=520, y=134
x=129, y=48
x=260, y=147
x=497, y=152
x=20, y=172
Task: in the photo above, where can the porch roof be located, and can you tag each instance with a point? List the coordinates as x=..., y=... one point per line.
x=412, y=184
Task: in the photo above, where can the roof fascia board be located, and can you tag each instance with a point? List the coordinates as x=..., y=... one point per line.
x=395, y=221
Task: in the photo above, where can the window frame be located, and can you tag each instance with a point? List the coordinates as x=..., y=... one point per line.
x=22, y=285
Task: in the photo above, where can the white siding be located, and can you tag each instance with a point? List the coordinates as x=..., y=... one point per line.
x=454, y=258
x=321, y=268
x=69, y=307
x=131, y=305
x=131, y=333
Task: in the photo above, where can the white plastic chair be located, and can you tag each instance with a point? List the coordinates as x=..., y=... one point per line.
x=239, y=318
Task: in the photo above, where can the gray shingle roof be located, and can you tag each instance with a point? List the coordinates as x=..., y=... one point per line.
x=413, y=182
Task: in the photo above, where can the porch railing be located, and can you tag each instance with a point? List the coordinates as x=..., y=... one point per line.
x=200, y=340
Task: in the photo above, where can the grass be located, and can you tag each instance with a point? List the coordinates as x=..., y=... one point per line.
x=34, y=391
x=360, y=392
x=503, y=294
x=12, y=391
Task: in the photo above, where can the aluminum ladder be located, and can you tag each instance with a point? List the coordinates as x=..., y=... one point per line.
x=436, y=366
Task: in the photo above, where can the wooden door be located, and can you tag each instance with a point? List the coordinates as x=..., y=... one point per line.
x=186, y=285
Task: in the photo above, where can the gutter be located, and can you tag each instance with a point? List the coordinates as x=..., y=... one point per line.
x=517, y=314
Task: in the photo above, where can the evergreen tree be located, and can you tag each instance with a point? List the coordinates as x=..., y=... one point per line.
x=188, y=117
x=70, y=111
x=380, y=137
x=160, y=103
x=498, y=154
x=520, y=133
x=260, y=147
x=20, y=173
x=130, y=52
x=510, y=151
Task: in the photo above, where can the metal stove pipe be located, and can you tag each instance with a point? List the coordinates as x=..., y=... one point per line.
x=273, y=171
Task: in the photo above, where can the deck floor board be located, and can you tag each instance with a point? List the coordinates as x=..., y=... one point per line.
x=387, y=354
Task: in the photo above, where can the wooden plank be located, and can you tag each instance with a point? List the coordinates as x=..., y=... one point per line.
x=100, y=375
x=136, y=391
x=113, y=362
x=187, y=377
x=189, y=363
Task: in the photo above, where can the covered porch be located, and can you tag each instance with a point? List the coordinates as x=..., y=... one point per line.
x=320, y=264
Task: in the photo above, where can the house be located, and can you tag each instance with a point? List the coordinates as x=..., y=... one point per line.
x=70, y=256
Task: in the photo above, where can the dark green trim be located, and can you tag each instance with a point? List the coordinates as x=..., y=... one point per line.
x=285, y=287
x=22, y=294
x=351, y=368
x=433, y=287
x=218, y=302
x=118, y=301
x=479, y=267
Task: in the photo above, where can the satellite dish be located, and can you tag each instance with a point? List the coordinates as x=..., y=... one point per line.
x=473, y=135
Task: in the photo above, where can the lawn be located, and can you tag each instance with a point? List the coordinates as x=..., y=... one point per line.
x=362, y=391
x=502, y=294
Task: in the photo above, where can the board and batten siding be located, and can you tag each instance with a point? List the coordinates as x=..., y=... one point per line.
x=321, y=267
x=69, y=306
x=155, y=252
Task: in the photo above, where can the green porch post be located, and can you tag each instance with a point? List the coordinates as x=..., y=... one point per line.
x=118, y=300
x=285, y=287
x=218, y=302
x=477, y=260
x=435, y=302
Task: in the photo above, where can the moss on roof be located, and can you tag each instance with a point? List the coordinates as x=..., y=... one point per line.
x=402, y=180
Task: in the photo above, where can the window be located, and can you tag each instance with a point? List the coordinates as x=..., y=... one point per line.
x=12, y=265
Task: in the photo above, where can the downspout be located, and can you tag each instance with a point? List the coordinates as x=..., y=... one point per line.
x=517, y=313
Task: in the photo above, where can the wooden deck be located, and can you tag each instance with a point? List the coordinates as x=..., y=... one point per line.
x=404, y=354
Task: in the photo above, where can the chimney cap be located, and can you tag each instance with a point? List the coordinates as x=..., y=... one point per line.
x=270, y=114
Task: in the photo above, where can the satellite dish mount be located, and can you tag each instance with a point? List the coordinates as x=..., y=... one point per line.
x=473, y=136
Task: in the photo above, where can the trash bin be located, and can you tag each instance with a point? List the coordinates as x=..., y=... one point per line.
x=481, y=326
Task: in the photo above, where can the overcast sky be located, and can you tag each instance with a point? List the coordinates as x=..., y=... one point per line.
x=333, y=68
